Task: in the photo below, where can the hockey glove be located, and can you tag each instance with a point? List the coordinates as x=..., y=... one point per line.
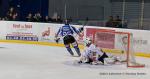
x=57, y=40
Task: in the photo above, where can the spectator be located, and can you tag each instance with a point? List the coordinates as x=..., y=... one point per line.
x=29, y=18
x=54, y=17
x=9, y=16
x=118, y=19
x=12, y=14
x=47, y=19
x=3, y=19
x=59, y=20
x=117, y=22
x=109, y=23
x=14, y=18
x=37, y=17
x=125, y=24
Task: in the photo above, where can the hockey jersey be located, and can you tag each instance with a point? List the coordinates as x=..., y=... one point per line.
x=67, y=30
x=89, y=50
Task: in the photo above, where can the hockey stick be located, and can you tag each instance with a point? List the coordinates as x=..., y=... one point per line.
x=83, y=25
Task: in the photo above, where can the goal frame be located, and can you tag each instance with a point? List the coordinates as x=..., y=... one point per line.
x=128, y=45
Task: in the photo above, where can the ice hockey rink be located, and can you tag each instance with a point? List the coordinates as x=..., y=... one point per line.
x=25, y=61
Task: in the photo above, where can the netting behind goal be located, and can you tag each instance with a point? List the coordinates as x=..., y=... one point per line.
x=117, y=43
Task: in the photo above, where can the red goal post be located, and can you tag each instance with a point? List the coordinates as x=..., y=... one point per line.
x=114, y=42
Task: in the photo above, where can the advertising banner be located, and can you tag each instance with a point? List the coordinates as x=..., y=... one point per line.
x=21, y=31
x=45, y=32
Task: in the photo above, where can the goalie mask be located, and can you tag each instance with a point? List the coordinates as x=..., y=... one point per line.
x=88, y=41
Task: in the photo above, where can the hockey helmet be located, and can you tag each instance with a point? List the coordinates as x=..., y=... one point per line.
x=67, y=22
x=88, y=41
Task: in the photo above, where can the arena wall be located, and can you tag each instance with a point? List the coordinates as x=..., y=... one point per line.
x=44, y=34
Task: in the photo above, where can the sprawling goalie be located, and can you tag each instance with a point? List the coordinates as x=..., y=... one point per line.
x=94, y=55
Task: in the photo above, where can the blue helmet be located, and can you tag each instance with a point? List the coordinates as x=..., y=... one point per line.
x=66, y=22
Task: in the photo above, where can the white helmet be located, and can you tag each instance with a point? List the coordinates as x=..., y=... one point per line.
x=88, y=41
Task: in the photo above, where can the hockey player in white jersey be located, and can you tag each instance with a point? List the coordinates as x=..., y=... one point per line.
x=94, y=55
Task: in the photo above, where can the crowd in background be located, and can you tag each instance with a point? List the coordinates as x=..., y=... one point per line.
x=37, y=17
x=116, y=22
x=12, y=15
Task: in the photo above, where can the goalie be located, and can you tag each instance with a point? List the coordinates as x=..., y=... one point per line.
x=94, y=55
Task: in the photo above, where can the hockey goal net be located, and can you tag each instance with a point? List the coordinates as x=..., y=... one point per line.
x=116, y=43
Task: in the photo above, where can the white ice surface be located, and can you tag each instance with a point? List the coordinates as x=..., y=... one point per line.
x=23, y=61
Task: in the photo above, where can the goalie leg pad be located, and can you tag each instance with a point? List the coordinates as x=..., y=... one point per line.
x=103, y=57
x=110, y=60
x=89, y=61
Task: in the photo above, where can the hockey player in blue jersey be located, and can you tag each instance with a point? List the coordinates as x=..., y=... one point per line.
x=67, y=32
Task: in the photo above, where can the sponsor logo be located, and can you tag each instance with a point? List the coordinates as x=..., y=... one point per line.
x=46, y=32
x=140, y=42
x=22, y=38
x=20, y=26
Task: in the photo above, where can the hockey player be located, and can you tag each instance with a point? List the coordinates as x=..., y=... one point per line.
x=94, y=55
x=90, y=53
x=67, y=32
